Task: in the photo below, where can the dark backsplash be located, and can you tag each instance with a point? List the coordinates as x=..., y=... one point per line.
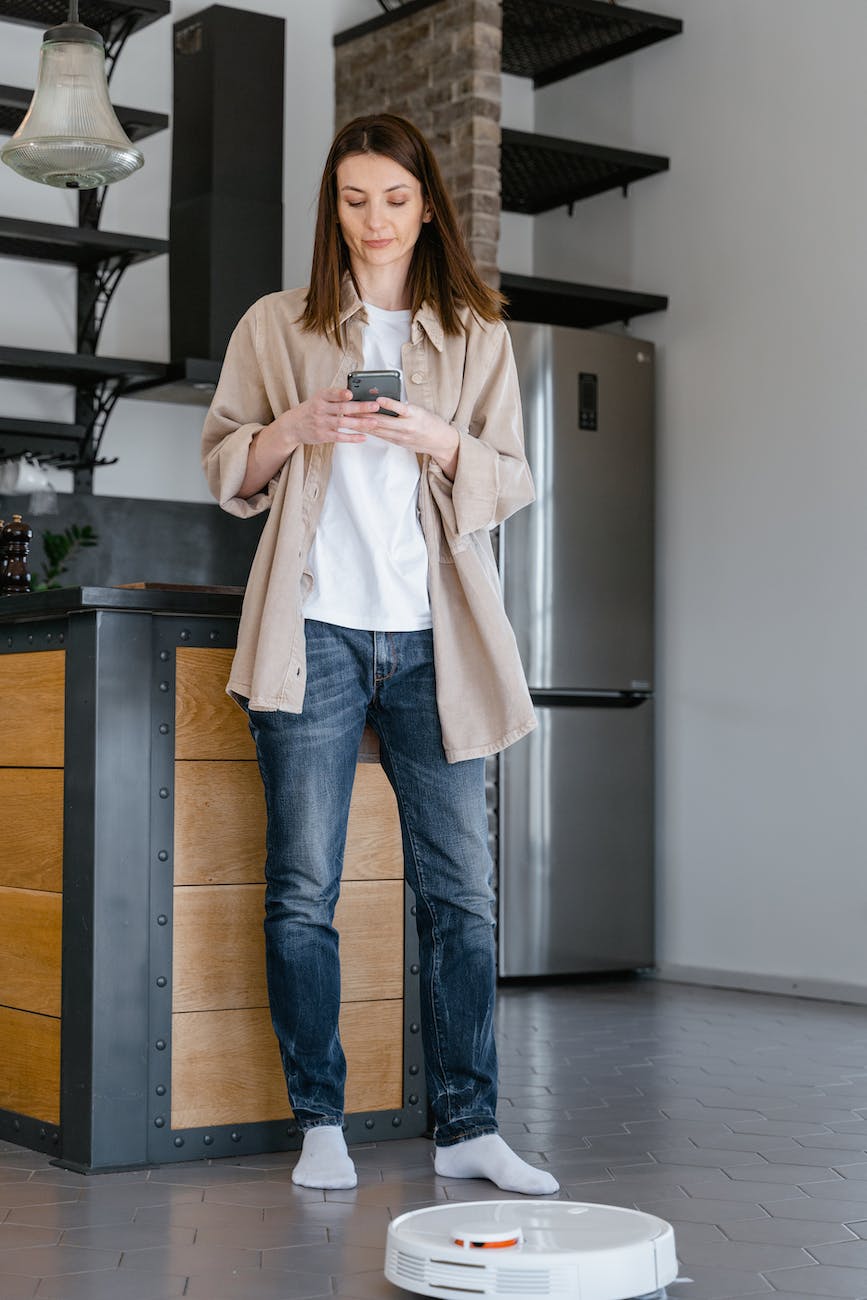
x=145, y=541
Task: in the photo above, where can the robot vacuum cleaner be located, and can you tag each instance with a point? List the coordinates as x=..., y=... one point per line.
x=519, y=1249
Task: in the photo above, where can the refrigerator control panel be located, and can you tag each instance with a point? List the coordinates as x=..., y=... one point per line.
x=588, y=400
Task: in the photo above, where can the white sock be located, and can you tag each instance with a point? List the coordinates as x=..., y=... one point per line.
x=489, y=1157
x=324, y=1160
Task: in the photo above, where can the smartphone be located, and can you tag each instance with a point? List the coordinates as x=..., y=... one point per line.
x=368, y=385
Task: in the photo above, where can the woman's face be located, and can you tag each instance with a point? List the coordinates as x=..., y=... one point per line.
x=381, y=210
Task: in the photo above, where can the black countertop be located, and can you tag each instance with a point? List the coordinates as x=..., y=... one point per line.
x=194, y=601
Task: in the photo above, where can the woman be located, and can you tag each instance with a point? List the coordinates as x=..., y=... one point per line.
x=374, y=597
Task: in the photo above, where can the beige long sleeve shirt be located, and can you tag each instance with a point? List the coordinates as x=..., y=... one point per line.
x=470, y=381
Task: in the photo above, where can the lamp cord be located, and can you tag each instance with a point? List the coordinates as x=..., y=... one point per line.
x=73, y=11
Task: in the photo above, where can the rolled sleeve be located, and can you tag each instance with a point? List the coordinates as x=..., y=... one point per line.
x=492, y=479
x=239, y=409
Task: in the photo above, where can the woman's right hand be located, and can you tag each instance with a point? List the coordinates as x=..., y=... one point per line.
x=328, y=416
x=324, y=417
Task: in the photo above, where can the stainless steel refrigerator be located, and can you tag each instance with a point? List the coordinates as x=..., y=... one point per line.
x=575, y=851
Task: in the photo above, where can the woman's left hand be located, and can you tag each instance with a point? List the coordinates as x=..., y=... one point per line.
x=418, y=430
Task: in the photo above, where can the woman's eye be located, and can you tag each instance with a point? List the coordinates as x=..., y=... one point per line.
x=398, y=203
x=359, y=204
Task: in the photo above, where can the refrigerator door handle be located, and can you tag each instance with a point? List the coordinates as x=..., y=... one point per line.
x=590, y=699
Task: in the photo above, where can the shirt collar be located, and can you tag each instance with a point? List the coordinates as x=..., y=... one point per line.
x=425, y=318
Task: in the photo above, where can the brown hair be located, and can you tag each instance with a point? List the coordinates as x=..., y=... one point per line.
x=441, y=273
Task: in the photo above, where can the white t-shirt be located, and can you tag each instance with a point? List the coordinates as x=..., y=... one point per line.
x=369, y=558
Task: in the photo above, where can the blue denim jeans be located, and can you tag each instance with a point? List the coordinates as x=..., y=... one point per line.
x=307, y=762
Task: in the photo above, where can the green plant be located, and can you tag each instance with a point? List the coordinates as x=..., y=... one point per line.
x=61, y=548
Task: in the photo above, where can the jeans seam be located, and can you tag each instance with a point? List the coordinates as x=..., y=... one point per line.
x=377, y=679
x=477, y=1130
x=435, y=943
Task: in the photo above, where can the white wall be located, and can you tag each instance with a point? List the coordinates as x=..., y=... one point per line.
x=759, y=235
x=157, y=445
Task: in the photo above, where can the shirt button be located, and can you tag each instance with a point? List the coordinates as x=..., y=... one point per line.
x=417, y=377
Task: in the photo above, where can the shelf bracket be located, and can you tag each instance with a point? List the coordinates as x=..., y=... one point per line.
x=116, y=36
x=93, y=406
x=90, y=206
x=95, y=291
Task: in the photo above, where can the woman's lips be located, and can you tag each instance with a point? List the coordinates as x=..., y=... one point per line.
x=377, y=243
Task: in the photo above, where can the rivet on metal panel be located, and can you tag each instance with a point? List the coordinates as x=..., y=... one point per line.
x=291, y=1130
x=164, y=793
x=236, y=1136
x=212, y=636
x=162, y=919
x=207, y=1139
x=395, y=1121
x=368, y=1123
x=179, y=1142
x=413, y=1069
x=160, y=1090
x=163, y=855
x=413, y=1099
x=164, y=728
x=164, y=686
x=60, y=637
x=185, y=636
x=160, y=1044
x=413, y=970
x=164, y=654
x=161, y=981
x=48, y=636
x=412, y=910
x=413, y=1029
x=160, y=1121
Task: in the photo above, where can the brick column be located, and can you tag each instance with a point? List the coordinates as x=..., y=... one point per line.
x=440, y=67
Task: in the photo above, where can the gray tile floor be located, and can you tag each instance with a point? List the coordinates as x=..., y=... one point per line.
x=739, y=1118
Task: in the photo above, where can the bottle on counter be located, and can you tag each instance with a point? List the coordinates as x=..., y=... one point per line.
x=15, y=541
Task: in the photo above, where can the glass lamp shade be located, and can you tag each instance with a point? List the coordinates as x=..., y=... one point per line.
x=70, y=136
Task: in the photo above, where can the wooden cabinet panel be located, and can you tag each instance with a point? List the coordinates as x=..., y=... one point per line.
x=31, y=843
x=31, y=708
x=30, y=950
x=226, y=1064
x=30, y=1064
x=219, y=944
x=208, y=724
x=220, y=824
x=374, y=849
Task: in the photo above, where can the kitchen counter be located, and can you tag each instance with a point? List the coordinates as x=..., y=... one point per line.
x=134, y=1026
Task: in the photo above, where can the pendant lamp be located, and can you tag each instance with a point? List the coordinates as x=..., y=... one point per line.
x=70, y=136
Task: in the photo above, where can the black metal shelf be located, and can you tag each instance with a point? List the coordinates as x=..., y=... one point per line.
x=552, y=39
x=137, y=122
x=190, y=382
x=541, y=172
x=100, y=259
x=76, y=245
x=42, y=437
x=548, y=40
x=79, y=369
x=109, y=17
x=585, y=306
